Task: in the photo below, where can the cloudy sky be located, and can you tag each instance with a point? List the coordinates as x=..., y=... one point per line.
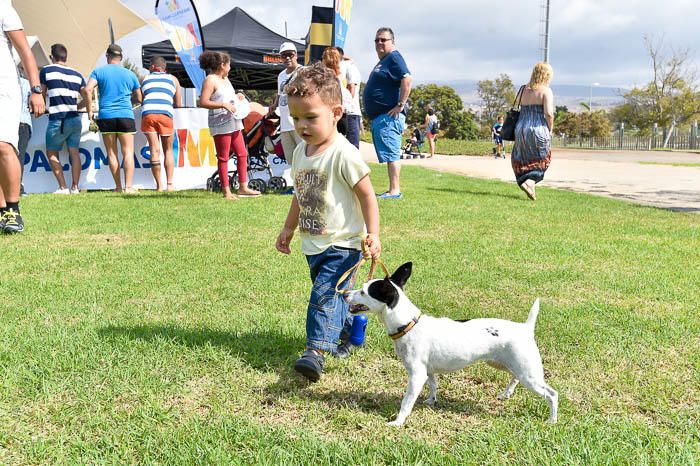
x=443, y=40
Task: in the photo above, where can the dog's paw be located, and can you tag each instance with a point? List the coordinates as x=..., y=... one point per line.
x=395, y=423
x=430, y=401
x=504, y=396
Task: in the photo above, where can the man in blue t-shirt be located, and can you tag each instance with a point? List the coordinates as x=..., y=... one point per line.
x=385, y=96
x=118, y=88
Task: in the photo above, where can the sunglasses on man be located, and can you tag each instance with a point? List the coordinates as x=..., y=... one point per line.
x=382, y=40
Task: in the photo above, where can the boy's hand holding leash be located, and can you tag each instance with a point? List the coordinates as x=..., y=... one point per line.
x=373, y=246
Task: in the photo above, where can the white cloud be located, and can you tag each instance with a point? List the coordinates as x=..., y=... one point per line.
x=591, y=40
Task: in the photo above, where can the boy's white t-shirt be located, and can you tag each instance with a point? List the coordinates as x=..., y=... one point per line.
x=330, y=212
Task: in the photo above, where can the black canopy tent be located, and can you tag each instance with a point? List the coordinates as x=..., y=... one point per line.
x=255, y=60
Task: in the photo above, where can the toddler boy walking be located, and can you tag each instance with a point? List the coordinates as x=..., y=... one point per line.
x=334, y=205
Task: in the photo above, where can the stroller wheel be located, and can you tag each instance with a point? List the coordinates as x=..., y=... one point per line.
x=277, y=183
x=233, y=181
x=214, y=184
x=257, y=184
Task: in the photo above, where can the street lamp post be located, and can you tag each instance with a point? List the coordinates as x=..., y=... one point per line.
x=590, y=96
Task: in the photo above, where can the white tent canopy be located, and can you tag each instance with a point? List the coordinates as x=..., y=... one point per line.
x=40, y=53
x=80, y=25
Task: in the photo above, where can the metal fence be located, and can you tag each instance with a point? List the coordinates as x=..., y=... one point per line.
x=680, y=140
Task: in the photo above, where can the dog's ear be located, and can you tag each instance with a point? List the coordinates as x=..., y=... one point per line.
x=400, y=277
x=384, y=291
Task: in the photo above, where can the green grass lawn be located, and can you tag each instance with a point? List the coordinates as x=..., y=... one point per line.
x=163, y=329
x=446, y=146
x=672, y=164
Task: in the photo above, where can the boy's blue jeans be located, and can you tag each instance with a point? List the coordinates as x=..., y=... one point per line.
x=327, y=315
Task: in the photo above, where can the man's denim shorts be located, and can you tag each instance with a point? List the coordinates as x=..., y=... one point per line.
x=387, y=133
x=66, y=131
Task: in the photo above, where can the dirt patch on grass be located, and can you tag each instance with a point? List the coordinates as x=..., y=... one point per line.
x=193, y=399
x=73, y=239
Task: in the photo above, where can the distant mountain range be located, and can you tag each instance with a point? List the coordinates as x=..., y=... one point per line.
x=570, y=95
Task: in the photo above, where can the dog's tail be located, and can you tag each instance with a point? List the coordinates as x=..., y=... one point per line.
x=532, y=316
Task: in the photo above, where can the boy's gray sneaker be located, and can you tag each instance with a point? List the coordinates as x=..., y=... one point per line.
x=345, y=349
x=310, y=365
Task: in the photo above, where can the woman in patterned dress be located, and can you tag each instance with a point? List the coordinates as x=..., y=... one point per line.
x=532, y=150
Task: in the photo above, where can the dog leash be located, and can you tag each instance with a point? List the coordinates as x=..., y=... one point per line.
x=352, y=271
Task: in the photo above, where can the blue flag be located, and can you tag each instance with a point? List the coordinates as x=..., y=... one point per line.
x=341, y=22
x=181, y=24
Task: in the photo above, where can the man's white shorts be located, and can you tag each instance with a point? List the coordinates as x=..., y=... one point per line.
x=11, y=105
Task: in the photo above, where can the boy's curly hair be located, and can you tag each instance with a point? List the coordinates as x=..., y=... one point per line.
x=316, y=79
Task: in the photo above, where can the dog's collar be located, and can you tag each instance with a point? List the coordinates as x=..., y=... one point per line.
x=405, y=329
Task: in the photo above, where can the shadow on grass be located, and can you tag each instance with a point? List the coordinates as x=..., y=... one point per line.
x=388, y=405
x=479, y=193
x=263, y=350
x=150, y=194
x=371, y=402
x=270, y=351
x=153, y=195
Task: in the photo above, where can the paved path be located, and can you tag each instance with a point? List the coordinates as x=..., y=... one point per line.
x=633, y=176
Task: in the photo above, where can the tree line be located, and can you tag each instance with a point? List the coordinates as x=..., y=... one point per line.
x=670, y=100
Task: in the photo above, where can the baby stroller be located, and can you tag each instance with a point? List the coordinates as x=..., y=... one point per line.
x=414, y=145
x=262, y=139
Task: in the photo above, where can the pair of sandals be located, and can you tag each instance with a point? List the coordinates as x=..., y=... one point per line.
x=529, y=189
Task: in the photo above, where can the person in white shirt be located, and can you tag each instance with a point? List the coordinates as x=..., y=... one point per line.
x=290, y=139
x=11, y=102
x=25, y=124
x=352, y=76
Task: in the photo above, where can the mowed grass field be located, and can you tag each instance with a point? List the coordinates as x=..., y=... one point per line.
x=163, y=328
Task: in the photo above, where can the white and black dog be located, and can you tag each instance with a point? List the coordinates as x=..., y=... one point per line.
x=428, y=345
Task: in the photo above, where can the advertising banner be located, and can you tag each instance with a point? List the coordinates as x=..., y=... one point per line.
x=342, y=21
x=193, y=149
x=320, y=33
x=180, y=23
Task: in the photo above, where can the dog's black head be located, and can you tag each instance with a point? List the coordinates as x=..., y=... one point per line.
x=378, y=294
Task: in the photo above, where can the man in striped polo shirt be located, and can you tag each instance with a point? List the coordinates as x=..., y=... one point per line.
x=62, y=85
x=161, y=92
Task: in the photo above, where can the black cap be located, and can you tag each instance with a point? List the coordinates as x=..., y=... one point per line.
x=114, y=50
